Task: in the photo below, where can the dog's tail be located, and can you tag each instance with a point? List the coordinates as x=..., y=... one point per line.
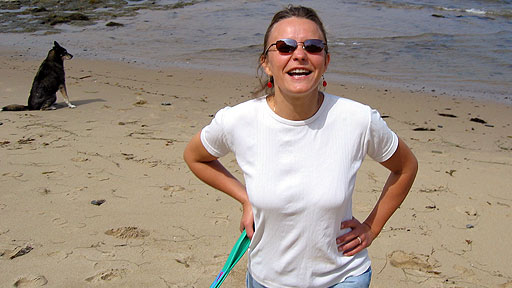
x=15, y=107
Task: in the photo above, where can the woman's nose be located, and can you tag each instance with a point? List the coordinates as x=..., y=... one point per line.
x=300, y=53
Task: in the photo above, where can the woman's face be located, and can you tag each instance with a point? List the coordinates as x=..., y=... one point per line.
x=299, y=72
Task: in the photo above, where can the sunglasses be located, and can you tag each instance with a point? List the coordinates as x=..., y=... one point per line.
x=287, y=46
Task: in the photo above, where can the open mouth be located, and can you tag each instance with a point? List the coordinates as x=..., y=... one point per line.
x=299, y=72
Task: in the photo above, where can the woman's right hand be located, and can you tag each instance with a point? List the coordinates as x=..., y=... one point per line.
x=247, y=221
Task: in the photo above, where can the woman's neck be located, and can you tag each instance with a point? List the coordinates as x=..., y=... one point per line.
x=295, y=108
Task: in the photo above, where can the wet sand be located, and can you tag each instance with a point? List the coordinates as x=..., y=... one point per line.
x=159, y=226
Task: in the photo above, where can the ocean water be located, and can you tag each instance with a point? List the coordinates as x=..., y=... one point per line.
x=460, y=47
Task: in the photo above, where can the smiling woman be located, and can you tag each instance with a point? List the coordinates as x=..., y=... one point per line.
x=290, y=45
x=299, y=150
x=296, y=71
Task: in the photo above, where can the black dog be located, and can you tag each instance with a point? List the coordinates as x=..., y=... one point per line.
x=49, y=78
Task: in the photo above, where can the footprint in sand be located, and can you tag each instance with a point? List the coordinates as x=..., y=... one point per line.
x=218, y=217
x=16, y=175
x=59, y=255
x=43, y=190
x=463, y=271
x=176, y=193
x=128, y=233
x=467, y=210
x=79, y=159
x=59, y=222
x=173, y=189
x=3, y=231
x=30, y=281
x=108, y=275
x=412, y=261
x=73, y=195
x=53, y=175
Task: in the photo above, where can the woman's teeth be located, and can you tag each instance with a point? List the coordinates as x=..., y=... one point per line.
x=299, y=72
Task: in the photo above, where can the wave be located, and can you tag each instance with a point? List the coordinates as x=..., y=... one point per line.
x=477, y=8
x=505, y=13
x=241, y=51
x=422, y=36
x=475, y=11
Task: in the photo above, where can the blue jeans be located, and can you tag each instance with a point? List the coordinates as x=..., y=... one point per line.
x=361, y=281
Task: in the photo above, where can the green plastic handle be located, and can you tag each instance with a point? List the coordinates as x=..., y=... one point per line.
x=236, y=253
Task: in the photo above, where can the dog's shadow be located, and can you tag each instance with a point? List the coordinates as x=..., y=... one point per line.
x=78, y=103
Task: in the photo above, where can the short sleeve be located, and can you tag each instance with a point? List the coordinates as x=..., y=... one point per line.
x=382, y=142
x=213, y=136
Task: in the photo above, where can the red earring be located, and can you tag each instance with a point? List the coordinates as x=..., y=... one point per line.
x=325, y=82
x=270, y=82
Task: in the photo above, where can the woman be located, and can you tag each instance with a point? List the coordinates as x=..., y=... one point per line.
x=300, y=150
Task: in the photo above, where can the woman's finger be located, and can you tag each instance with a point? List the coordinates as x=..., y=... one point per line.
x=352, y=246
x=352, y=223
x=247, y=221
x=351, y=242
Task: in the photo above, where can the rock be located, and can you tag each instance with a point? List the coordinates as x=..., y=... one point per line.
x=447, y=115
x=114, y=24
x=98, y=202
x=478, y=120
x=58, y=19
x=20, y=251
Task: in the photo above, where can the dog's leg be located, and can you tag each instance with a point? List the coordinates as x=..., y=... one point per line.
x=64, y=92
x=48, y=103
x=51, y=107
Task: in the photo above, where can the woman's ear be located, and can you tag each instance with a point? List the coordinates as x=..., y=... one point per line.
x=265, y=65
x=327, y=60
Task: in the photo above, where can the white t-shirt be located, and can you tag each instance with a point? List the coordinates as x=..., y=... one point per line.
x=299, y=177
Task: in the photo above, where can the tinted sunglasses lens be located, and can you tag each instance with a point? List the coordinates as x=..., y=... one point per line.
x=286, y=45
x=314, y=45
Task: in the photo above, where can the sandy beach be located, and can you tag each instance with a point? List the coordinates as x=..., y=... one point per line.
x=159, y=226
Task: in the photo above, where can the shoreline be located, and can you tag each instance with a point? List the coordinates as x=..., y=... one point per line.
x=161, y=227
x=469, y=91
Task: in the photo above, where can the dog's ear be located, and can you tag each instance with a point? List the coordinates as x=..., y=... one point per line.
x=56, y=44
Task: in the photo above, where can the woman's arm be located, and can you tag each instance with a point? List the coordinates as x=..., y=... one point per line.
x=403, y=166
x=207, y=168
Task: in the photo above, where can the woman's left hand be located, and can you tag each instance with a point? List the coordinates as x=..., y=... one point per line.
x=356, y=240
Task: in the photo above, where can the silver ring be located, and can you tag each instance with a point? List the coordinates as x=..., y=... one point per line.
x=360, y=241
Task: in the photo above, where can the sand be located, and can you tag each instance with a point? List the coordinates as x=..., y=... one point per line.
x=153, y=224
